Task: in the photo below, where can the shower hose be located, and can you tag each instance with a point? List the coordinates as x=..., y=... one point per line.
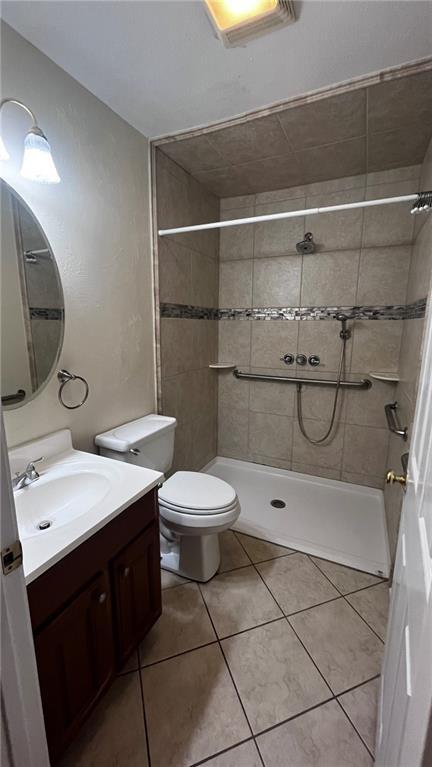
x=335, y=403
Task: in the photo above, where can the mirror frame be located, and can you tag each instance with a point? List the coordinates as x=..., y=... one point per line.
x=19, y=200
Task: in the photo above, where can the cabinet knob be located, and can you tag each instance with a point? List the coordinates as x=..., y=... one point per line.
x=102, y=598
x=126, y=572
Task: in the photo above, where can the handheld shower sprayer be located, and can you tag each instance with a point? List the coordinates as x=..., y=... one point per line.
x=345, y=333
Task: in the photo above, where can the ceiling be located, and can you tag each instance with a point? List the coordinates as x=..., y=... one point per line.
x=160, y=66
x=384, y=126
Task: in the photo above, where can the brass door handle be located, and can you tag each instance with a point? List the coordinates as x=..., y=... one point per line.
x=391, y=478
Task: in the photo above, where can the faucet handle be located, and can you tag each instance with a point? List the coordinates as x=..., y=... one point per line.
x=31, y=466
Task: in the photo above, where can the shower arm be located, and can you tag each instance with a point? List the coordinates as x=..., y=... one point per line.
x=364, y=383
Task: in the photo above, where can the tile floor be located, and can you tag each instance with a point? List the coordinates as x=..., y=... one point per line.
x=274, y=662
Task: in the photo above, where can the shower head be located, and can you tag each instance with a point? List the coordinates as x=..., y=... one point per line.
x=345, y=334
x=307, y=245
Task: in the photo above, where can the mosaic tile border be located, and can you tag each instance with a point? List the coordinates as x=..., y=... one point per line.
x=415, y=310
x=45, y=314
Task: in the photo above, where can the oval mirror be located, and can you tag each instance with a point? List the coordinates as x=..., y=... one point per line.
x=32, y=307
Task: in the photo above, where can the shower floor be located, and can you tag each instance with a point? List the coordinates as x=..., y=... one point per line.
x=334, y=520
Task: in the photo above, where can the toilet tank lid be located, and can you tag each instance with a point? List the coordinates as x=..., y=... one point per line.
x=123, y=438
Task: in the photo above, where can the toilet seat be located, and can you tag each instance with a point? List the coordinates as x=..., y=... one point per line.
x=190, y=492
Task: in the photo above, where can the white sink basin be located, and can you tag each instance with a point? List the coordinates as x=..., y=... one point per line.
x=76, y=494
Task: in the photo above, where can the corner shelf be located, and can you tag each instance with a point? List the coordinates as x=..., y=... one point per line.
x=384, y=375
x=222, y=366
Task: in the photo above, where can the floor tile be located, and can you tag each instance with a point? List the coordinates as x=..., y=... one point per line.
x=192, y=708
x=239, y=600
x=373, y=605
x=259, y=550
x=321, y=738
x=273, y=674
x=132, y=664
x=361, y=705
x=345, y=578
x=171, y=579
x=345, y=650
x=114, y=734
x=232, y=553
x=245, y=755
x=183, y=625
x=296, y=583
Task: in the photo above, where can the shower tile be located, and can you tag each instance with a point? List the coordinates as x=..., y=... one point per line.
x=409, y=172
x=271, y=397
x=239, y=600
x=330, y=279
x=235, y=283
x=366, y=407
x=192, y=708
x=376, y=345
x=421, y=265
x=194, y=154
x=344, y=648
x=336, y=231
x=277, y=195
x=325, y=121
x=233, y=432
x=270, y=435
x=233, y=392
x=403, y=102
x=383, y=275
x=373, y=605
x=174, y=272
x=322, y=338
x=204, y=280
x=396, y=147
x=261, y=551
x=272, y=173
x=183, y=625
x=361, y=706
x=317, y=401
x=389, y=224
x=296, y=583
x=233, y=554
x=337, y=184
x=276, y=281
x=235, y=341
x=245, y=755
x=273, y=674
x=114, y=732
x=251, y=140
x=270, y=341
x=367, y=480
x=320, y=738
x=177, y=346
x=316, y=471
x=236, y=242
x=344, y=578
x=228, y=203
x=276, y=238
x=365, y=450
x=319, y=163
x=329, y=456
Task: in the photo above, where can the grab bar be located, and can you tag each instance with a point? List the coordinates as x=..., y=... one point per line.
x=9, y=399
x=393, y=421
x=363, y=384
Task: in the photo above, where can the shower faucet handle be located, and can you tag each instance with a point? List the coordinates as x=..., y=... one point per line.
x=287, y=358
x=301, y=359
x=314, y=360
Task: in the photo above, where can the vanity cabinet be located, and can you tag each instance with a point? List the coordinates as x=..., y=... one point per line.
x=90, y=611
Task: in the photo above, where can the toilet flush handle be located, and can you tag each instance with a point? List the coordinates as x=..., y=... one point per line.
x=134, y=451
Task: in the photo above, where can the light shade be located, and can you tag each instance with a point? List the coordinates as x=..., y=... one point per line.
x=237, y=21
x=4, y=154
x=38, y=164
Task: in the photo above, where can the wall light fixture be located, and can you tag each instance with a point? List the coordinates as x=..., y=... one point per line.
x=37, y=163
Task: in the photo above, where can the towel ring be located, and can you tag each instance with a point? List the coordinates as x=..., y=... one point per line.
x=64, y=377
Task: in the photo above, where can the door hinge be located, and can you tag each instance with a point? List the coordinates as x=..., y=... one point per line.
x=11, y=557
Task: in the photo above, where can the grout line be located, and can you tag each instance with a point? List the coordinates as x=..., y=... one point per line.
x=179, y=654
x=365, y=621
x=220, y=753
x=355, y=728
x=145, y=718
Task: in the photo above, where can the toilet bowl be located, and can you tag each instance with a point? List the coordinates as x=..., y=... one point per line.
x=194, y=508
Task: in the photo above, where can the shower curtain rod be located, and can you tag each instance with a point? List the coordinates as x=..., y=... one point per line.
x=294, y=214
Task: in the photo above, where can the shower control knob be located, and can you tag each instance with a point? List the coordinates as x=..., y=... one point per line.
x=301, y=359
x=288, y=359
x=314, y=360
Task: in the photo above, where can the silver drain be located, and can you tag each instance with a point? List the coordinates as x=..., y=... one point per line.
x=277, y=503
x=44, y=525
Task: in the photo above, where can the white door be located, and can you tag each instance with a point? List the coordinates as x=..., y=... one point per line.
x=22, y=735
x=406, y=694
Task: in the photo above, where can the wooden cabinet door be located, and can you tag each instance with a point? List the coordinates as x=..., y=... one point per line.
x=136, y=590
x=75, y=658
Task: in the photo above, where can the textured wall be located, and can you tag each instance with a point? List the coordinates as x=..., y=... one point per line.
x=187, y=267
x=419, y=284
x=97, y=222
x=363, y=257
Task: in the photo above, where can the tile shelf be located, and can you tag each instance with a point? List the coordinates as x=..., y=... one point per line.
x=384, y=375
x=222, y=366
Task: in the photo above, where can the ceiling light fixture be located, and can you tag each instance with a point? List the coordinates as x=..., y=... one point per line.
x=237, y=21
x=37, y=163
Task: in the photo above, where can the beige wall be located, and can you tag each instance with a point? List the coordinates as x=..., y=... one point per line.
x=188, y=274
x=361, y=258
x=97, y=222
x=419, y=285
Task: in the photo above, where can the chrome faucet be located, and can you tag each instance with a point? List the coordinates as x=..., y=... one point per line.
x=26, y=477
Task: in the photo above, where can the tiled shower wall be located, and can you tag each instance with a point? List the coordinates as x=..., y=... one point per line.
x=419, y=284
x=362, y=258
x=187, y=273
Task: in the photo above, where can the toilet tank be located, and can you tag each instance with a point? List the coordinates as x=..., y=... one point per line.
x=148, y=442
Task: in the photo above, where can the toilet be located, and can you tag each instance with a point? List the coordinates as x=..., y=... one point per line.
x=194, y=508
